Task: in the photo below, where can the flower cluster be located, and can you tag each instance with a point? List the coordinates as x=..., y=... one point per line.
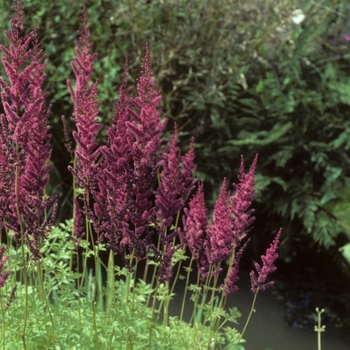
x=258, y=281
x=195, y=224
x=3, y=276
x=86, y=109
x=231, y=280
x=25, y=143
x=120, y=198
x=230, y=221
x=176, y=181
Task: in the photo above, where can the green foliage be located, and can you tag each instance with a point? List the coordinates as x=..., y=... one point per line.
x=61, y=313
x=289, y=103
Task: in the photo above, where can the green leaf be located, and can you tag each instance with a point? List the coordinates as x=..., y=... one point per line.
x=345, y=250
x=262, y=138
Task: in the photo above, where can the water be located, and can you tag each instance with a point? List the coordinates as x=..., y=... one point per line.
x=268, y=328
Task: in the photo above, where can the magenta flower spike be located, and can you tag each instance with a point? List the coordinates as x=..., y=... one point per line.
x=113, y=195
x=165, y=272
x=123, y=198
x=242, y=200
x=86, y=109
x=220, y=238
x=25, y=142
x=231, y=280
x=176, y=181
x=195, y=224
x=346, y=37
x=143, y=137
x=258, y=280
x=3, y=276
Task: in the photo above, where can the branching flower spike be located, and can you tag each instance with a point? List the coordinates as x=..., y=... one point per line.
x=258, y=281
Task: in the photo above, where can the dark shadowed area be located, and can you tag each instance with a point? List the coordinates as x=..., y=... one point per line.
x=268, y=329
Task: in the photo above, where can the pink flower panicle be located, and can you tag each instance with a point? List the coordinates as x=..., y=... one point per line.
x=143, y=136
x=195, y=224
x=165, y=272
x=176, y=181
x=258, y=281
x=113, y=198
x=346, y=37
x=86, y=109
x=113, y=195
x=25, y=142
x=230, y=220
x=11, y=298
x=124, y=197
x=3, y=276
x=220, y=239
x=242, y=200
x=231, y=280
x=189, y=167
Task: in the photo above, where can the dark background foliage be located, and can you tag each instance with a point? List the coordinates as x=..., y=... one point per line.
x=242, y=78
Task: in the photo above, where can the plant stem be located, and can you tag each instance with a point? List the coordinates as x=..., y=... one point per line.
x=43, y=294
x=319, y=328
x=152, y=317
x=185, y=291
x=248, y=319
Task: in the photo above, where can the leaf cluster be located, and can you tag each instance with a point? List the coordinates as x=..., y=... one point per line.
x=95, y=315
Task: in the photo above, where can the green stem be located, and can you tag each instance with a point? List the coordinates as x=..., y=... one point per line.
x=43, y=296
x=127, y=284
x=152, y=316
x=166, y=305
x=134, y=287
x=319, y=328
x=185, y=291
x=24, y=262
x=196, y=298
x=248, y=319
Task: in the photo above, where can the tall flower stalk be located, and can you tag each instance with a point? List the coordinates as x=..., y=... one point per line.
x=25, y=145
x=26, y=150
x=259, y=278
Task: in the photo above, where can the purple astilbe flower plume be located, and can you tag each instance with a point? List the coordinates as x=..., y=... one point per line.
x=231, y=219
x=143, y=136
x=25, y=141
x=165, y=272
x=220, y=233
x=11, y=298
x=258, y=281
x=86, y=109
x=113, y=198
x=195, y=224
x=242, y=200
x=123, y=199
x=176, y=181
x=231, y=280
x=3, y=276
x=188, y=166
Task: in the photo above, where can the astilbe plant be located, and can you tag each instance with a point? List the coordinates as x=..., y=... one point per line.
x=134, y=191
x=25, y=142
